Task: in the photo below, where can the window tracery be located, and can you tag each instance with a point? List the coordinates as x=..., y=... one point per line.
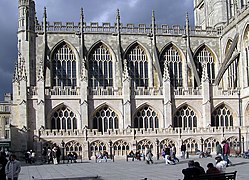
x=64, y=66
x=222, y=116
x=64, y=118
x=100, y=67
x=121, y=148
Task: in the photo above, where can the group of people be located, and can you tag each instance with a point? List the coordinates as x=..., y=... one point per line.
x=169, y=154
x=102, y=156
x=136, y=155
x=195, y=169
x=51, y=155
x=9, y=168
x=30, y=157
x=223, y=150
x=72, y=156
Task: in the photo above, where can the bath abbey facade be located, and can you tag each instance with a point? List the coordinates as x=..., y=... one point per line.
x=91, y=87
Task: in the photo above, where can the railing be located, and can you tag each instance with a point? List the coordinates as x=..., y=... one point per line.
x=147, y=91
x=225, y=92
x=94, y=27
x=101, y=91
x=188, y=91
x=67, y=91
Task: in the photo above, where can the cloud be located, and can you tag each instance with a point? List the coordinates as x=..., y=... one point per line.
x=132, y=11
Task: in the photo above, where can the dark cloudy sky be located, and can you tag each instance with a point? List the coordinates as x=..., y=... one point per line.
x=131, y=11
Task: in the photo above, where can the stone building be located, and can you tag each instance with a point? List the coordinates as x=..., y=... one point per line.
x=90, y=87
x=5, y=118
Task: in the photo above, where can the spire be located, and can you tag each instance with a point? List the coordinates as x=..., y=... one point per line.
x=82, y=19
x=153, y=23
x=82, y=40
x=45, y=23
x=118, y=21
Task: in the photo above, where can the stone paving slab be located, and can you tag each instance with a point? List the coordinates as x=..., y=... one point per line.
x=122, y=170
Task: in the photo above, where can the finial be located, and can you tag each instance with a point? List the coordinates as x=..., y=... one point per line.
x=45, y=12
x=82, y=12
x=153, y=14
x=118, y=14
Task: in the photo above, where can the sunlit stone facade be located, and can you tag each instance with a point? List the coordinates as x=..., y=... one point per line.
x=120, y=87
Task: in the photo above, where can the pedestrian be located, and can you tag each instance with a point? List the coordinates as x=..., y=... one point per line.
x=183, y=150
x=173, y=150
x=218, y=149
x=198, y=166
x=220, y=164
x=3, y=162
x=58, y=154
x=12, y=168
x=211, y=169
x=148, y=155
x=226, y=152
x=44, y=154
x=191, y=172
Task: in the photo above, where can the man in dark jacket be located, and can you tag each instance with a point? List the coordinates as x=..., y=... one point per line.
x=191, y=172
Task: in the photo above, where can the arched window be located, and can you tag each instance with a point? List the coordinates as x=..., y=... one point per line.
x=97, y=147
x=232, y=72
x=232, y=8
x=138, y=66
x=205, y=57
x=185, y=117
x=173, y=60
x=146, y=117
x=64, y=66
x=247, y=65
x=63, y=118
x=100, y=67
x=210, y=144
x=141, y=145
x=121, y=148
x=191, y=145
x=73, y=146
x=105, y=118
x=222, y=116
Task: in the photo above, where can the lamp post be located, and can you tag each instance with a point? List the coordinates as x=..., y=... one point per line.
x=201, y=144
x=243, y=141
x=157, y=149
x=110, y=143
x=63, y=147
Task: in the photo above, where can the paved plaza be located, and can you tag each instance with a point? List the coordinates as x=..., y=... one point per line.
x=120, y=169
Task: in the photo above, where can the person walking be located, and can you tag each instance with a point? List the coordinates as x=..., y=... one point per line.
x=218, y=149
x=3, y=162
x=226, y=151
x=12, y=168
x=183, y=150
x=148, y=155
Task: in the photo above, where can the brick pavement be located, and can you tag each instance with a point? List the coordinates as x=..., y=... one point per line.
x=122, y=170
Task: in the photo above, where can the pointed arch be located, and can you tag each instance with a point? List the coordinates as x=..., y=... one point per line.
x=145, y=117
x=246, y=115
x=172, y=56
x=245, y=49
x=64, y=64
x=210, y=144
x=141, y=145
x=101, y=69
x=228, y=44
x=191, y=145
x=138, y=63
x=222, y=116
x=73, y=147
x=97, y=147
x=185, y=117
x=105, y=118
x=234, y=145
x=205, y=56
x=121, y=147
x=62, y=117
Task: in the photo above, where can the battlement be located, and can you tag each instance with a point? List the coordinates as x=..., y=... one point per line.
x=95, y=27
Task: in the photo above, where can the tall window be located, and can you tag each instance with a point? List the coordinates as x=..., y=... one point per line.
x=173, y=60
x=247, y=65
x=64, y=66
x=232, y=8
x=121, y=148
x=205, y=57
x=105, y=118
x=185, y=117
x=233, y=74
x=138, y=66
x=222, y=116
x=100, y=67
x=146, y=117
x=64, y=118
x=97, y=147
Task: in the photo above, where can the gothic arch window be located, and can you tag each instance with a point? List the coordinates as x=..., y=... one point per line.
x=97, y=147
x=73, y=146
x=234, y=144
x=232, y=72
x=100, y=67
x=172, y=58
x=210, y=143
x=185, y=117
x=222, y=116
x=204, y=57
x=247, y=64
x=121, y=148
x=138, y=66
x=191, y=145
x=146, y=117
x=64, y=66
x=63, y=118
x=105, y=118
x=164, y=143
x=141, y=145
